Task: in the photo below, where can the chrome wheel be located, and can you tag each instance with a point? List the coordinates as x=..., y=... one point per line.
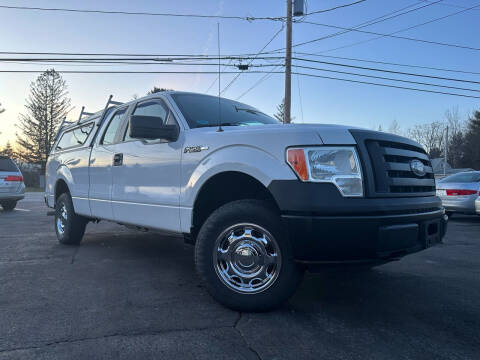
x=247, y=258
x=62, y=219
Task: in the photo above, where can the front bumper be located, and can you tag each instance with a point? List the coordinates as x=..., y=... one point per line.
x=336, y=239
x=325, y=227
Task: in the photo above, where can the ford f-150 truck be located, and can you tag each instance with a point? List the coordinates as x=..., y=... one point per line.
x=260, y=200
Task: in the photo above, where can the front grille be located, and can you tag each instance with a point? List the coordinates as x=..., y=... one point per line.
x=391, y=168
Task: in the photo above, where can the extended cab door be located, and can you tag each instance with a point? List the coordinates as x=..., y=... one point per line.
x=100, y=170
x=146, y=184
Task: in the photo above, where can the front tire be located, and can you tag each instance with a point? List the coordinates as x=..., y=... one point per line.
x=9, y=205
x=244, y=257
x=69, y=226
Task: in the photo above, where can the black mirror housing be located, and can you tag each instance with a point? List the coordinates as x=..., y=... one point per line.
x=152, y=128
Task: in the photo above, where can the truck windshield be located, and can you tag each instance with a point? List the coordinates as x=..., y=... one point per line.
x=202, y=111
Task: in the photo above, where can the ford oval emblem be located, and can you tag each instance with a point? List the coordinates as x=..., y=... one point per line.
x=417, y=167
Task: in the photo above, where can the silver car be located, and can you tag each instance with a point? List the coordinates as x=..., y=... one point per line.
x=459, y=192
x=12, y=188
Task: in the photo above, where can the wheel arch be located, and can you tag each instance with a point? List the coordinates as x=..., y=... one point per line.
x=222, y=188
x=61, y=187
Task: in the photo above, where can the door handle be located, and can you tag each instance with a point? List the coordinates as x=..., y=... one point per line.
x=118, y=160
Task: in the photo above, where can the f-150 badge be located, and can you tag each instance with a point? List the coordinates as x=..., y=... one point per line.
x=192, y=149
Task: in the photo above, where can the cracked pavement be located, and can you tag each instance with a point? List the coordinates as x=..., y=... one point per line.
x=125, y=294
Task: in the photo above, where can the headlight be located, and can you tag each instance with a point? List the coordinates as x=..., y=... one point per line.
x=338, y=165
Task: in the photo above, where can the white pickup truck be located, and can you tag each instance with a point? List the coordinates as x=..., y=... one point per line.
x=260, y=200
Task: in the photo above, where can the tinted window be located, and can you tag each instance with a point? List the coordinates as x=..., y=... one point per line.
x=115, y=122
x=149, y=108
x=202, y=110
x=75, y=137
x=7, y=164
x=463, y=178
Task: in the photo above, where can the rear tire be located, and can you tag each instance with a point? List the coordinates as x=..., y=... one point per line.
x=244, y=257
x=69, y=226
x=9, y=205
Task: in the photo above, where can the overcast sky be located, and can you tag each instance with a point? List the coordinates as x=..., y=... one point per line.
x=322, y=100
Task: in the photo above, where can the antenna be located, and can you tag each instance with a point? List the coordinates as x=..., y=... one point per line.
x=219, y=73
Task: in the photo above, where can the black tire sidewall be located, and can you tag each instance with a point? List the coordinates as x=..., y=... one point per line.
x=9, y=205
x=74, y=226
x=259, y=213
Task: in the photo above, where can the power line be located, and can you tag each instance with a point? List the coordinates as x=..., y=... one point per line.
x=388, y=71
x=444, y=3
x=391, y=63
x=252, y=72
x=134, y=72
x=404, y=29
x=387, y=85
x=373, y=21
x=160, y=61
x=114, y=63
x=255, y=57
x=111, y=54
x=365, y=23
x=334, y=8
x=258, y=82
x=391, y=36
x=387, y=78
x=113, y=12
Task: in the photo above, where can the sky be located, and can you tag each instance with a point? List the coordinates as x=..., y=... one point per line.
x=314, y=100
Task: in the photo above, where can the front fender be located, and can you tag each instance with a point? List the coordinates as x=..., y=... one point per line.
x=246, y=159
x=64, y=173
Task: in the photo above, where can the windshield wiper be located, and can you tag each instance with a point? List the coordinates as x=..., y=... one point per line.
x=223, y=124
x=251, y=111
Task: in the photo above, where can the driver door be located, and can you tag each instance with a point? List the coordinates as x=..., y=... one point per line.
x=146, y=184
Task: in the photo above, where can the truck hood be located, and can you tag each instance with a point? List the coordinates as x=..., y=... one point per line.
x=299, y=134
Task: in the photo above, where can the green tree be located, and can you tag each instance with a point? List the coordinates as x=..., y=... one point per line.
x=472, y=142
x=280, y=114
x=8, y=151
x=157, y=89
x=456, y=149
x=46, y=106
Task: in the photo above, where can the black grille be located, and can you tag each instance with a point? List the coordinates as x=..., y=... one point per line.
x=391, y=168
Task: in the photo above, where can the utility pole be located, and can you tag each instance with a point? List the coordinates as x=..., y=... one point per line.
x=445, y=152
x=288, y=65
x=298, y=10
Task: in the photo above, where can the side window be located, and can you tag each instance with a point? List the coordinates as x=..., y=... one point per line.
x=75, y=137
x=151, y=108
x=115, y=122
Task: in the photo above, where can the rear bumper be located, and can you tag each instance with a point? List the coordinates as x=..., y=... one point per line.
x=466, y=205
x=12, y=197
x=325, y=227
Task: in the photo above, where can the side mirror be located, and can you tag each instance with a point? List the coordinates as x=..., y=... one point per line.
x=151, y=127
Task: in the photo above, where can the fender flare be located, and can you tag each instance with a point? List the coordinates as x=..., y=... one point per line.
x=63, y=173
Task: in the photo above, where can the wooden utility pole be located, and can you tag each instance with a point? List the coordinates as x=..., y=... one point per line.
x=445, y=153
x=288, y=65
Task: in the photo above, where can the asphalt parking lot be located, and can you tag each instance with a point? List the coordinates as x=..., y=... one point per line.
x=127, y=294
